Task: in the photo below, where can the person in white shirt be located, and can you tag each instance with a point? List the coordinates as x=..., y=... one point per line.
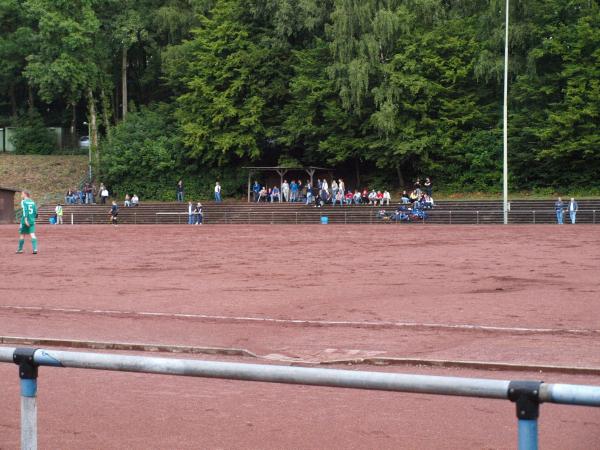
x=218, y=198
x=386, y=198
x=342, y=186
x=103, y=195
x=372, y=197
x=190, y=213
x=285, y=190
x=135, y=201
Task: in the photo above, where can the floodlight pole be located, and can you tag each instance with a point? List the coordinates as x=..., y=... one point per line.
x=505, y=125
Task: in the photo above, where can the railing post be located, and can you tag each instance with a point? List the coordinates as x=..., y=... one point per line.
x=296, y=217
x=526, y=395
x=533, y=216
x=450, y=217
x=477, y=217
x=594, y=216
x=28, y=373
x=345, y=218
x=71, y=218
x=135, y=218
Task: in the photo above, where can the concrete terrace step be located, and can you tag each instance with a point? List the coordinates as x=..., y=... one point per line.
x=478, y=212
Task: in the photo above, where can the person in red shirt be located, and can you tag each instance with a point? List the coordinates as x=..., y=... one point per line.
x=349, y=197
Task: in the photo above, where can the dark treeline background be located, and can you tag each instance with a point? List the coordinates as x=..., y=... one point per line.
x=382, y=90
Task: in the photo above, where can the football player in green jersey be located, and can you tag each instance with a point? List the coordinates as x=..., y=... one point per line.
x=28, y=216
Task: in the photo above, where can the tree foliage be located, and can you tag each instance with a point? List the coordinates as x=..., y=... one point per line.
x=381, y=89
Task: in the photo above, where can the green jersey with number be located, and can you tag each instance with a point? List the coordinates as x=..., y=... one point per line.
x=29, y=211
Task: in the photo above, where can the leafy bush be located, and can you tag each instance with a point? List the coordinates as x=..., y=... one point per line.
x=31, y=137
x=145, y=156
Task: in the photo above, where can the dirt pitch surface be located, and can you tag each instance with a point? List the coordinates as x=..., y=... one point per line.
x=523, y=295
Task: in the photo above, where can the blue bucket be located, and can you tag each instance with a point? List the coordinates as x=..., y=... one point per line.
x=324, y=220
x=52, y=220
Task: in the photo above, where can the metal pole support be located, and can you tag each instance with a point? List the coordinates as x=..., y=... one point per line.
x=526, y=395
x=28, y=373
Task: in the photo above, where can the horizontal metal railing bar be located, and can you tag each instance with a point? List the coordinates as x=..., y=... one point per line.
x=383, y=381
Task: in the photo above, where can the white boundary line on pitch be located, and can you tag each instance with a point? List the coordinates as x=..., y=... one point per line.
x=316, y=323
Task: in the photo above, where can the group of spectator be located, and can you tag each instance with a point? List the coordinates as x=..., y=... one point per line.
x=89, y=194
x=195, y=215
x=560, y=209
x=84, y=196
x=180, y=192
x=335, y=192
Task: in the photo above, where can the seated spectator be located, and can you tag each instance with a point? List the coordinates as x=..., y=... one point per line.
x=127, y=201
x=262, y=195
x=427, y=201
x=414, y=196
x=372, y=197
x=379, y=198
x=69, y=197
x=386, y=198
x=338, y=198
x=135, y=201
x=275, y=195
x=357, y=197
x=349, y=197
x=405, y=198
x=364, y=197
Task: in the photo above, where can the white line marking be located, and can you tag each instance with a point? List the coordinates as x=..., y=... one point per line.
x=308, y=322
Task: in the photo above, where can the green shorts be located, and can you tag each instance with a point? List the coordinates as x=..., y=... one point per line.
x=24, y=229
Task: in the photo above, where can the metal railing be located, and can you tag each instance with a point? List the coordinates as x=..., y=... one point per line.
x=527, y=395
x=366, y=215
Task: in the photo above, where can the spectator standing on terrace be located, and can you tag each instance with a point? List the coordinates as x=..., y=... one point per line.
x=559, y=208
x=89, y=194
x=573, y=208
x=309, y=193
x=190, y=213
x=255, y=190
x=293, y=191
x=285, y=190
x=334, y=190
x=386, y=198
x=428, y=187
x=218, y=198
x=342, y=186
x=59, y=214
x=103, y=194
x=324, y=188
x=135, y=201
x=179, y=191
